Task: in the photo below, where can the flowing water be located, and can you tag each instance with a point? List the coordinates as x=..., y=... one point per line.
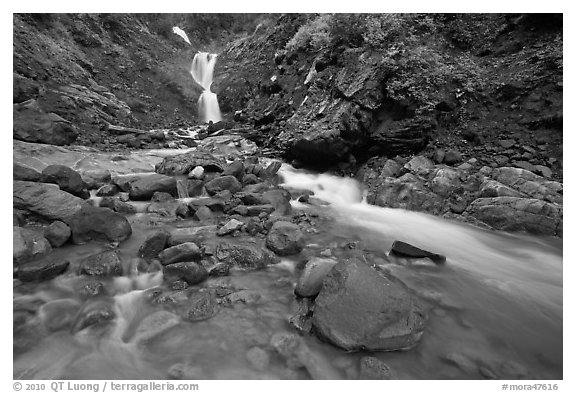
x=495, y=306
x=202, y=71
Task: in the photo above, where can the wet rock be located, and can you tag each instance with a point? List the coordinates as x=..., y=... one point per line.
x=257, y=210
x=145, y=187
x=445, y=181
x=361, y=308
x=245, y=255
x=420, y=166
x=196, y=173
x=67, y=179
x=24, y=173
x=46, y=200
x=402, y=249
x=452, y=157
x=117, y=205
x=258, y=358
x=302, y=319
x=99, y=224
x=203, y=213
x=214, y=204
x=32, y=124
x=93, y=314
x=95, y=178
x=192, y=234
x=182, y=252
x=221, y=183
x=273, y=168
x=517, y=214
x=42, y=269
x=91, y=288
x=390, y=169
x=28, y=243
x=285, y=238
x=103, y=264
x=57, y=233
x=191, y=272
x=160, y=196
x=235, y=169
x=492, y=188
x=280, y=200
x=527, y=183
x=107, y=190
x=154, y=244
x=59, y=314
x=201, y=306
x=245, y=296
x=195, y=187
x=372, y=368
x=250, y=179
x=310, y=282
x=182, y=164
x=219, y=270
x=168, y=209
x=230, y=227
x=154, y=325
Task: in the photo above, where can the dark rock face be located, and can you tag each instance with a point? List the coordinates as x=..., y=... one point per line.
x=222, y=183
x=361, y=308
x=191, y=272
x=402, y=249
x=404, y=136
x=285, y=238
x=182, y=164
x=45, y=200
x=28, y=243
x=32, y=124
x=245, y=255
x=145, y=187
x=104, y=264
x=42, y=269
x=57, y=233
x=154, y=244
x=67, y=179
x=98, y=223
x=21, y=172
x=182, y=252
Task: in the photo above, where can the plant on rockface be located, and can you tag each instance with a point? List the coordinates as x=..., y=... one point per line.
x=313, y=35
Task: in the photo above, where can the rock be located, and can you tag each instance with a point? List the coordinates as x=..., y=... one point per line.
x=492, y=188
x=28, y=243
x=302, y=319
x=527, y=183
x=230, y=227
x=256, y=210
x=245, y=255
x=45, y=200
x=249, y=179
x=258, y=358
x=195, y=187
x=197, y=173
x=507, y=143
x=310, y=282
x=95, y=178
x=273, y=168
x=103, y=264
x=280, y=200
x=191, y=234
x=160, y=196
x=235, y=169
x=182, y=164
x=67, y=179
x=203, y=213
x=22, y=172
x=99, y=224
x=361, y=308
x=201, y=306
x=117, y=205
x=390, y=169
x=285, y=238
x=57, y=233
x=420, y=166
x=93, y=314
x=191, y=272
x=42, y=269
x=543, y=171
x=221, y=183
x=445, y=181
x=452, y=157
x=439, y=155
x=402, y=249
x=524, y=165
x=32, y=124
x=154, y=325
x=107, y=190
x=372, y=368
x=518, y=214
x=219, y=270
x=145, y=187
x=154, y=244
x=182, y=252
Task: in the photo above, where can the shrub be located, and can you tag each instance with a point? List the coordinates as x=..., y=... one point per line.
x=314, y=35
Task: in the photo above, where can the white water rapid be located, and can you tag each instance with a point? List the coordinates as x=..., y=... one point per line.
x=202, y=71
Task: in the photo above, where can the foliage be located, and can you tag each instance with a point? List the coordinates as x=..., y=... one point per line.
x=313, y=35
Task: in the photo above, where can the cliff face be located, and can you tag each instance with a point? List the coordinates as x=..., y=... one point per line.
x=340, y=89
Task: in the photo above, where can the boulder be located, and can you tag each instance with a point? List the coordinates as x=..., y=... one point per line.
x=280, y=199
x=390, y=169
x=117, y=205
x=452, y=157
x=527, y=183
x=145, y=187
x=403, y=249
x=96, y=178
x=202, y=305
x=93, y=314
x=191, y=272
x=42, y=269
x=235, y=169
x=28, y=243
x=182, y=252
x=46, y=200
x=196, y=173
x=230, y=227
x=154, y=244
x=32, y=124
x=313, y=275
x=57, y=233
x=285, y=238
x=103, y=264
x=192, y=234
x=221, y=183
x=219, y=270
x=420, y=166
x=107, y=190
x=492, y=188
x=445, y=181
x=361, y=308
x=22, y=172
x=182, y=164
x=518, y=214
x=245, y=255
x=98, y=223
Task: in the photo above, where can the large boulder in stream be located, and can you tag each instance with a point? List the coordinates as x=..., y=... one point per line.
x=146, y=186
x=42, y=269
x=28, y=243
x=100, y=224
x=222, y=183
x=285, y=238
x=67, y=178
x=359, y=308
x=46, y=200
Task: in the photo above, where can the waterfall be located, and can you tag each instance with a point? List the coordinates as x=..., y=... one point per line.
x=202, y=72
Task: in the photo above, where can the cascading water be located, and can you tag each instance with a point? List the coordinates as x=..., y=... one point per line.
x=202, y=72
